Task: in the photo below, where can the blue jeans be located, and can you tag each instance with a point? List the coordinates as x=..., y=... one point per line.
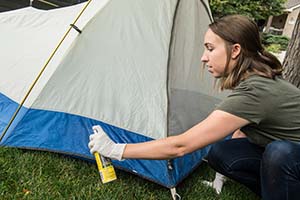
x=272, y=172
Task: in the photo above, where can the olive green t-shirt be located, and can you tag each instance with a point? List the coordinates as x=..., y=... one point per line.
x=271, y=106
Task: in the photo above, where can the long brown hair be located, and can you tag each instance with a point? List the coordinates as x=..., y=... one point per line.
x=253, y=58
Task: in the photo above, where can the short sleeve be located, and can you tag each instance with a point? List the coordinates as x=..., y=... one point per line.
x=245, y=101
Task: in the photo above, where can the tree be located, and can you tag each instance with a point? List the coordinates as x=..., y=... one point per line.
x=291, y=63
x=256, y=9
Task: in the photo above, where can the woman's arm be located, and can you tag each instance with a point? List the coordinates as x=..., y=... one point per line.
x=216, y=126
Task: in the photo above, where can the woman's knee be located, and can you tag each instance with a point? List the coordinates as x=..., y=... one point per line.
x=280, y=170
x=280, y=152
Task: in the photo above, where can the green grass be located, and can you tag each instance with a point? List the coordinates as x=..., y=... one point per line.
x=41, y=175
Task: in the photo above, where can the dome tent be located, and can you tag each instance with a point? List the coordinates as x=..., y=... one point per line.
x=134, y=69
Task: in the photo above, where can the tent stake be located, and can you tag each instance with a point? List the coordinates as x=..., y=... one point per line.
x=174, y=194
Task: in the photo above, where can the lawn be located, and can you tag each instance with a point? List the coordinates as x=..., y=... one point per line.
x=39, y=175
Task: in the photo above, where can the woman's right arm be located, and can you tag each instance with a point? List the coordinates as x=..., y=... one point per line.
x=216, y=126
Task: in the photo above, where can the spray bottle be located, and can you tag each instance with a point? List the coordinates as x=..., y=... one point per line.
x=105, y=167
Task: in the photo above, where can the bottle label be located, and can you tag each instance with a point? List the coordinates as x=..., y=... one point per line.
x=108, y=174
x=105, y=168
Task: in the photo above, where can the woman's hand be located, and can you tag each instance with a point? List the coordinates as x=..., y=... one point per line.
x=101, y=143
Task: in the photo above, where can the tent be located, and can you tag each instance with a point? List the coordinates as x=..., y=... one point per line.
x=132, y=66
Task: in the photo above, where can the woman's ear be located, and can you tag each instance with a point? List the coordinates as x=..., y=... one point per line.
x=236, y=50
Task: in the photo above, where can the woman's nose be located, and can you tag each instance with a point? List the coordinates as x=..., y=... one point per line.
x=204, y=58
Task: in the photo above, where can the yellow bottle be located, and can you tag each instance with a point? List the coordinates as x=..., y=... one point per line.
x=105, y=167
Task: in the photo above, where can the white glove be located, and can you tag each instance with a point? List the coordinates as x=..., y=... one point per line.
x=217, y=183
x=101, y=143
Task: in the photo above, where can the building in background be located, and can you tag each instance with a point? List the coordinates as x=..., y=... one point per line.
x=293, y=10
x=284, y=24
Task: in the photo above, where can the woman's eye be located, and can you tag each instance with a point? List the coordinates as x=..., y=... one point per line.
x=209, y=48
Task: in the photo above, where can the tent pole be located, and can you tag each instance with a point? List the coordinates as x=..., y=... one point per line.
x=41, y=71
x=207, y=11
x=48, y=3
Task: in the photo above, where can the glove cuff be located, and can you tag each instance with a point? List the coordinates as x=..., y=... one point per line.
x=117, y=152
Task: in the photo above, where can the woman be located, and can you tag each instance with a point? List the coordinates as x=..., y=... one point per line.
x=262, y=105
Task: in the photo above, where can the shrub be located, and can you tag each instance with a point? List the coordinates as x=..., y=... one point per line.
x=275, y=41
x=275, y=48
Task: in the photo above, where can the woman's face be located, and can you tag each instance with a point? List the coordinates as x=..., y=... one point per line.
x=215, y=55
